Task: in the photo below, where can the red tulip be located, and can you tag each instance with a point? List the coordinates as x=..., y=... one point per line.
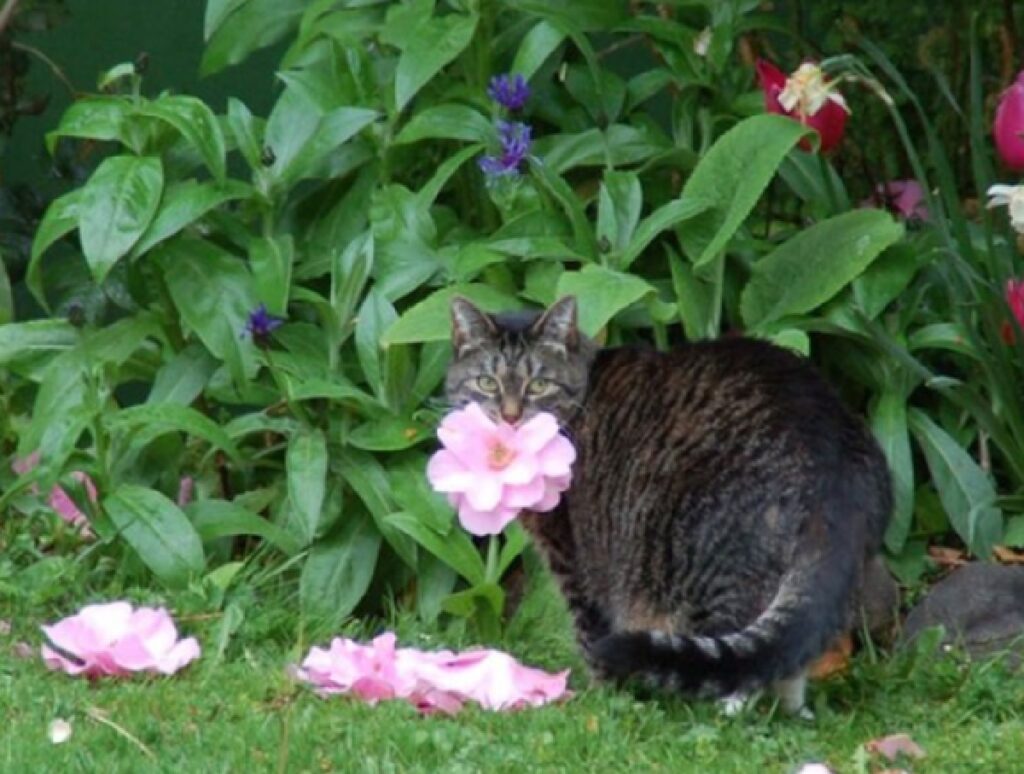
x=806, y=96
x=1008, y=128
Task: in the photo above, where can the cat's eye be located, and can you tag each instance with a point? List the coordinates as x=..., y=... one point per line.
x=487, y=384
x=538, y=386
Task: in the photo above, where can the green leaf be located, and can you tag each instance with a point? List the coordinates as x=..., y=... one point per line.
x=35, y=338
x=665, y=217
x=966, y=491
x=194, y=121
x=601, y=294
x=375, y=316
x=116, y=207
x=214, y=294
x=731, y=177
x=182, y=378
x=151, y=420
x=889, y=424
x=214, y=519
x=446, y=122
x=248, y=136
x=92, y=118
x=537, y=45
x=332, y=131
x=434, y=42
x=454, y=548
x=619, y=202
x=339, y=569
x=389, y=434
x=350, y=271
x=184, y=204
x=236, y=29
x=815, y=264
x=271, y=260
x=158, y=531
x=552, y=182
x=430, y=319
x=60, y=218
x=1014, y=534
x=306, y=466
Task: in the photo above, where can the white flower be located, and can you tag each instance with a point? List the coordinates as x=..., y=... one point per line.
x=60, y=731
x=1013, y=197
x=702, y=42
x=807, y=91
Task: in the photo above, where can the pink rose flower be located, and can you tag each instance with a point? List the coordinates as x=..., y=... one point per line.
x=439, y=681
x=115, y=639
x=492, y=471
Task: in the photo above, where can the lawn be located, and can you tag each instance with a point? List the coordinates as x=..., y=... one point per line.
x=239, y=710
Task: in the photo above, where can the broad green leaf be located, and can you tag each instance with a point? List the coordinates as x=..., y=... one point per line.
x=966, y=491
x=194, y=120
x=60, y=218
x=116, y=207
x=446, y=122
x=151, y=420
x=413, y=493
x=791, y=338
x=430, y=319
x=35, y=338
x=369, y=480
x=1014, y=534
x=338, y=571
x=552, y=182
x=248, y=136
x=815, y=264
x=730, y=179
x=92, y=118
x=182, y=378
x=887, y=277
x=388, y=434
x=429, y=192
x=620, y=200
x=332, y=131
x=306, y=466
x=454, y=548
x=214, y=294
x=184, y=204
x=375, y=316
x=158, y=531
x=889, y=424
x=214, y=519
x=271, y=260
x=538, y=44
x=665, y=217
x=235, y=29
x=601, y=294
x=515, y=543
x=435, y=43
x=435, y=580
x=350, y=271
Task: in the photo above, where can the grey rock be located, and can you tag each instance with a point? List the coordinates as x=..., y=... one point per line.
x=877, y=603
x=981, y=607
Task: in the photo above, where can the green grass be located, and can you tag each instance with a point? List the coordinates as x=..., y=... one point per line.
x=240, y=711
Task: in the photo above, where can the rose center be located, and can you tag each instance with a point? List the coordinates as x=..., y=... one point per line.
x=500, y=456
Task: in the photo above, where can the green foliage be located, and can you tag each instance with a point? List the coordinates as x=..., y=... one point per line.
x=357, y=209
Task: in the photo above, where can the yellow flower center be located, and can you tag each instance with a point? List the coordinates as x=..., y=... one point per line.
x=806, y=91
x=500, y=456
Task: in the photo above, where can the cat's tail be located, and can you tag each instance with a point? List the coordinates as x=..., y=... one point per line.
x=808, y=611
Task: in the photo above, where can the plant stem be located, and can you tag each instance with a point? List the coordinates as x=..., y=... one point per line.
x=54, y=67
x=7, y=13
x=297, y=409
x=491, y=572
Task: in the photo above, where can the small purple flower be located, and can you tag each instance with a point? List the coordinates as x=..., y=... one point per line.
x=261, y=324
x=509, y=91
x=515, y=144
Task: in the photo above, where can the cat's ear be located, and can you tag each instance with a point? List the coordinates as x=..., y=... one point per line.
x=470, y=327
x=558, y=324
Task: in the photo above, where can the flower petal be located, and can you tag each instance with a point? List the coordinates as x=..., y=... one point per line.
x=485, y=522
x=485, y=493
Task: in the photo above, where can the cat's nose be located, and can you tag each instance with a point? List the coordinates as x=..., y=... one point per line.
x=511, y=412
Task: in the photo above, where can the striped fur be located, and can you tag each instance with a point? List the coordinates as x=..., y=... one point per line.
x=722, y=506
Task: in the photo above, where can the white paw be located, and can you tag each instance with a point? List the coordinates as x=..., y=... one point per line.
x=805, y=713
x=733, y=704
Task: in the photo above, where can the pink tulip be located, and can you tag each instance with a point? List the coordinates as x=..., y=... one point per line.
x=806, y=96
x=1008, y=128
x=59, y=500
x=439, y=681
x=492, y=471
x=115, y=639
x=1015, y=300
x=903, y=197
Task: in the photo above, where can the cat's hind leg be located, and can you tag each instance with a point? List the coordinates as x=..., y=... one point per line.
x=791, y=694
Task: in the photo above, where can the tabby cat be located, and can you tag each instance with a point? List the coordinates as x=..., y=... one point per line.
x=723, y=501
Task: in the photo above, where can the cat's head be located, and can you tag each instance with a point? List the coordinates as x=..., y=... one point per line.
x=518, y=364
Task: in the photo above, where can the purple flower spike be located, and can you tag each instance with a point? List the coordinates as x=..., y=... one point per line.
x=261, y=324
x=509, y=91
x=515, y=144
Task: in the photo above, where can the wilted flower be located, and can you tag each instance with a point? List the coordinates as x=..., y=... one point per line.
x=1008, y=127
x=115, y=639
x=515, y=144
x=1013, y=197
x=432, y=681
x=261, y=324
x=903, y=197
x=509, y=91
x=59, y=500
x=492, y=471
x=806, y=96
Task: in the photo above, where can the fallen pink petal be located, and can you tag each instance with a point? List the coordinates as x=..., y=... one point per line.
x=491, y=471
x=892, y=746
x=432, y=681
x=117, y=639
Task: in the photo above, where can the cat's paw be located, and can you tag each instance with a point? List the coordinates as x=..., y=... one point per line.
x=734, y=704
